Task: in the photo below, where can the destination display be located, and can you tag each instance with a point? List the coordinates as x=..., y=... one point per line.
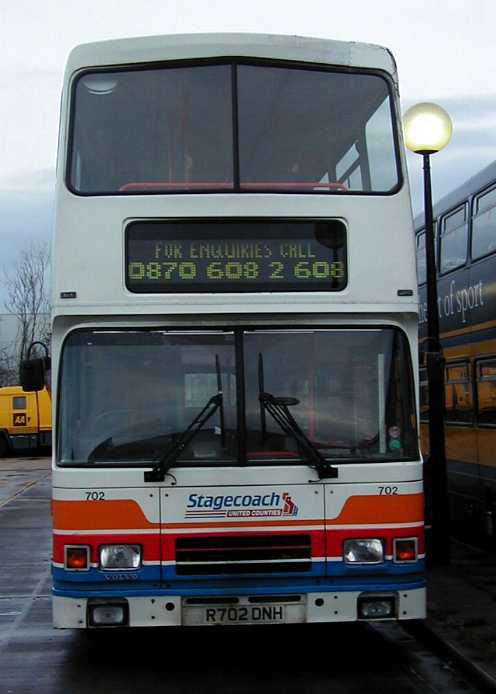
x=235, y=256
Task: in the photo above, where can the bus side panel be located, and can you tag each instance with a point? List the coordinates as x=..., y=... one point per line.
x=5, y=422
x=18, y=418
x=33, y=419
x=484, y=346
x=45, y=417
x=24, y=420
x=463, y=475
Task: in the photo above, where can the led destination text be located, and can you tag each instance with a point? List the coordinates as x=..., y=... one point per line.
x=230, y=250
x=238, y=256
x=233, y=262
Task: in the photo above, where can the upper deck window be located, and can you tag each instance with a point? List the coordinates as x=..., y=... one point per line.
x=231, y=127
x=421, y=254
x=483, y=224
x=421, y=260
x=454, y=239
x=486, y=392
x=148, y=130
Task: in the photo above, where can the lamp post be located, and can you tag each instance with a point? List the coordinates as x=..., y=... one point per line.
x=427, y=129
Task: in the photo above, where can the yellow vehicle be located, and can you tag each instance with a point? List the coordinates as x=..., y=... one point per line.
x=25, y=419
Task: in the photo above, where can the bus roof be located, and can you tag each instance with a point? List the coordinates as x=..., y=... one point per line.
x=191, y=46
x=461, y=193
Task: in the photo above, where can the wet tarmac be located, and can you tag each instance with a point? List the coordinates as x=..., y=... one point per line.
x=35, y=658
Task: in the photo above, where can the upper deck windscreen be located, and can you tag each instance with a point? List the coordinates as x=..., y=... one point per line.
x=232, y=127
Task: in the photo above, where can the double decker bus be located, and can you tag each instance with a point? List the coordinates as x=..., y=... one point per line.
x=466, y=266
x=234, y=334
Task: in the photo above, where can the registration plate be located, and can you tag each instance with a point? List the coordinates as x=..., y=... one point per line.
x=268, y=614
x=234, y=614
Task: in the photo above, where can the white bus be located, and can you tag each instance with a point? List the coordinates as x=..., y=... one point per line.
x=234, y=334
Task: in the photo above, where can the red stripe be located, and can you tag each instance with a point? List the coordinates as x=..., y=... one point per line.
x=336, y=538
x=322, y=544
x=165, y=185
x=149, y=543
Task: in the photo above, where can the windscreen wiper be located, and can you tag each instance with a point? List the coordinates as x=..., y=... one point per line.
x=261, y=389
x=221, y=411
x=278, y=408
x=157, y=474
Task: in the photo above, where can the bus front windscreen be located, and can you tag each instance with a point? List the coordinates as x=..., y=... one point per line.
x=184, y=129
x=127, y=397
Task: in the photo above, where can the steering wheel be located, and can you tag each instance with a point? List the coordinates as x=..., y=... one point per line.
x=124, y=418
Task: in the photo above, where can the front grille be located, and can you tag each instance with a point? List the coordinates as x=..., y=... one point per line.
x=243, y=554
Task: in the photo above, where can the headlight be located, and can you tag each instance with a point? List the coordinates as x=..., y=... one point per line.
x=108, y=613
x=120, y=556
x=376, y=607
x=363, y=551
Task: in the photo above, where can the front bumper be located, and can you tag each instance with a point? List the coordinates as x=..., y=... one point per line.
x=168, y=610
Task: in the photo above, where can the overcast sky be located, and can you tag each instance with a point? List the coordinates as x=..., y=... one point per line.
x=444, y=51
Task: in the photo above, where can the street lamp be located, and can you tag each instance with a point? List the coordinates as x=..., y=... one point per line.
x=427, y=129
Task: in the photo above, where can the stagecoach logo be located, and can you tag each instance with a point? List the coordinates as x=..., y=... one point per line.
x=270, y=505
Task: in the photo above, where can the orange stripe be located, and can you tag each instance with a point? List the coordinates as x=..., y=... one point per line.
x=397, y=508
x=127, y=513
x=100, y=515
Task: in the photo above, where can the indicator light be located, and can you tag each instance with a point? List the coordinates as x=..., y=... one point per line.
x=77, y=558
x=405, y=549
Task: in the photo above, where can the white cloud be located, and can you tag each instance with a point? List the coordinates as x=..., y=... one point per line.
x=29, y=110
x=444, y=51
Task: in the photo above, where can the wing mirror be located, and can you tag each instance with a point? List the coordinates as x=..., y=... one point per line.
x=33, y=372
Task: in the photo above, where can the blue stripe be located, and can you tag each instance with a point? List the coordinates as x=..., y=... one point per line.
x=152, y=574
x=468, y=338
x=388, y=568
x=318, y=569
x=474, y=470
x=146, y=573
